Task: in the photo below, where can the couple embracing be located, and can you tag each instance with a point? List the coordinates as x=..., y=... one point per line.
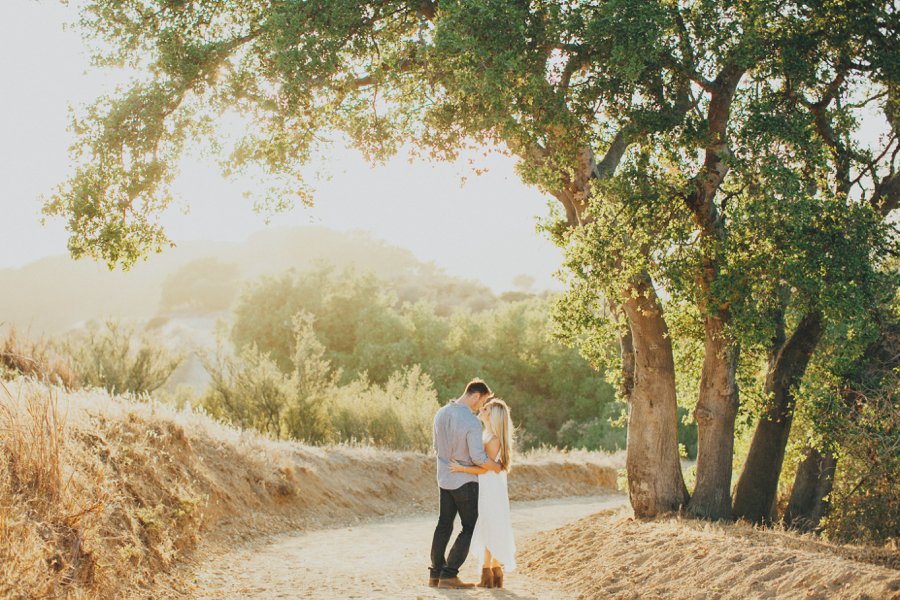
x=473, y=441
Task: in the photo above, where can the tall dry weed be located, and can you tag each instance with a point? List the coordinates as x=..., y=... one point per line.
x=31, y=443
x=59, y=531
x=42, y=521
x=35, y=358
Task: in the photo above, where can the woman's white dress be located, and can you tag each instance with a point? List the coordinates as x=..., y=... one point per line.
x=493, y=529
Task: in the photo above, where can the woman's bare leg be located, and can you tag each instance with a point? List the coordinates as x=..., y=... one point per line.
x=487, y=559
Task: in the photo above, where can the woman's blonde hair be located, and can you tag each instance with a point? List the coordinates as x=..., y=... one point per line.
x=501, y=426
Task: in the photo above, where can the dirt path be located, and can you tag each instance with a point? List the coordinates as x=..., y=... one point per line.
x=386, y=559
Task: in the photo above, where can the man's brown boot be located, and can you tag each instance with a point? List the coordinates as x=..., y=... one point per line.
x=433, y=581
x=498, y=577
x=487, y=578
x=454, y=583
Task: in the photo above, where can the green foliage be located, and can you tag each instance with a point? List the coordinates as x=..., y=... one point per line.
x=600, y=433
x=851, y=408
x=397, y=415
x=114, y=357
x=865, y=503
x=354, y=317
x=367, y=335
x=251, y=391
x=308, y=403
x=545, y=383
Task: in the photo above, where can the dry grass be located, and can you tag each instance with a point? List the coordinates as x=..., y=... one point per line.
x=33, y=358
x=101, y=496
x=74, y=520
x=611, y=555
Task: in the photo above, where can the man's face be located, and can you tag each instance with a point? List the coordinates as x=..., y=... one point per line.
x=482, y=400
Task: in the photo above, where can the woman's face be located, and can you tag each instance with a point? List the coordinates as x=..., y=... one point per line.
x=484, y=414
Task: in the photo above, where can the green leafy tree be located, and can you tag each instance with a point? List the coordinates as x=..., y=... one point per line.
x=765, y=224
x=546, y=383
x=354, y=315
x=205, y=284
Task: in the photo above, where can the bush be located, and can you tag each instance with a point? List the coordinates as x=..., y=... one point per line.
x=398, y=415
x=113, y=357
x=600, y=433
x=865, y=501
x=852, y=414
x=309, y=404
x=251, y=391
x=687, y=432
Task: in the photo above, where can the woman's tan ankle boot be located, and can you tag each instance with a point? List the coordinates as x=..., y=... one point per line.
x=497, y=572
x=487, y=578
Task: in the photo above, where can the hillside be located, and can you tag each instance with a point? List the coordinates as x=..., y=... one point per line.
x=53, y=295
x=104, y=497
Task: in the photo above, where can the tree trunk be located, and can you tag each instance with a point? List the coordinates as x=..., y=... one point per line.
x=718, y=400
x=626, y=351
x=655, y=482
x=812, y=484
x=757, y=487
x=715, y=413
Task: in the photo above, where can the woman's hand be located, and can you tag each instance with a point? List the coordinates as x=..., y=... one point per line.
x=456, y=467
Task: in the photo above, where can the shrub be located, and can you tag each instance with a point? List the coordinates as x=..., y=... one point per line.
x=309, y=404
x=251, y=391
x=865, y=501
x=112, y=356
x=397, y=415
x=367, y=336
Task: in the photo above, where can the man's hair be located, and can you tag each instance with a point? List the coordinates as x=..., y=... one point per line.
x=478, y=386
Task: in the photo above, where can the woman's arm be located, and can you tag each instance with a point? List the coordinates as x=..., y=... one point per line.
x=492, y=448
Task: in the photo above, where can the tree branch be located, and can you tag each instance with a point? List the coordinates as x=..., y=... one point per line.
x=688, y=68
x=887, y=195
x=715, y=166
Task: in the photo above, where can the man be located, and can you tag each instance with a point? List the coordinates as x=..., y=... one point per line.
x=457, y=437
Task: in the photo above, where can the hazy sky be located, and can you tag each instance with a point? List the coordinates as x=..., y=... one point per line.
x=484, y=229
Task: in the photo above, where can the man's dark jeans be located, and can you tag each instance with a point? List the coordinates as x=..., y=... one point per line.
x=464, y=501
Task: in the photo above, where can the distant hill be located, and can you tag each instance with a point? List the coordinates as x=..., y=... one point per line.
x=53, y=295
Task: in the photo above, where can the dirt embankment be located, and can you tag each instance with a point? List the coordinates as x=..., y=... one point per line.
x=105, y=497
x=610, y=555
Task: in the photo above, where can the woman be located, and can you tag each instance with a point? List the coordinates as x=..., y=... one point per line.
x=493, y=534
